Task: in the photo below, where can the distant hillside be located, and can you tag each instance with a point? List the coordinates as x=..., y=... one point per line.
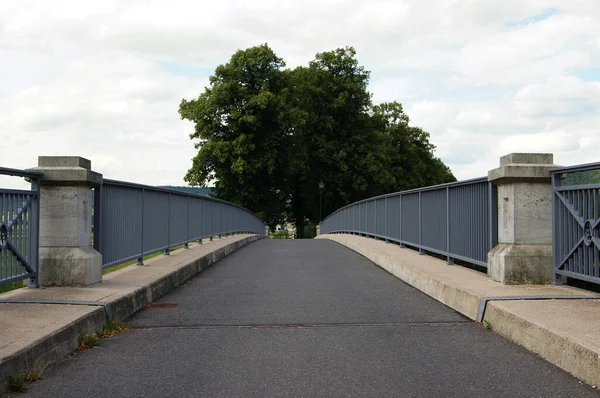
x=194, y=190
x=581, y=178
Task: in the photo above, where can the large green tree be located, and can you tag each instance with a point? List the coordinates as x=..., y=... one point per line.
x=241, y=127
x=409, y=153
x=335, y=139
x=268, y=135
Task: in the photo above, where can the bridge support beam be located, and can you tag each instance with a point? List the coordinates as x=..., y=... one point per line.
x=524, y=251
x=67, y=257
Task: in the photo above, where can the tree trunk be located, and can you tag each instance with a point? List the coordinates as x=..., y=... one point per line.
x=297, y=209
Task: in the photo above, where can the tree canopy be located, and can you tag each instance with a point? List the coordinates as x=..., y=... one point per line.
x=267, y=135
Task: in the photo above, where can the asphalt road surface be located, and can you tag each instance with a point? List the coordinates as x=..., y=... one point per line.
x=304, y=318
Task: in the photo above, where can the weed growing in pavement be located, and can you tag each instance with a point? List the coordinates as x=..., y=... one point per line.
x=112, y=327
x=88, y=341
x=33, y=376
x=16, y=382
x=36, y=373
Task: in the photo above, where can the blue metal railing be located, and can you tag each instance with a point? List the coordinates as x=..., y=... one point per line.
x=19, y=229
x=576, y=222
x=458, y=220
x=133, y=220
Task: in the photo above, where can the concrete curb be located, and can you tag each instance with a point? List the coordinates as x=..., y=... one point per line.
x=556, y=346
x=61, y=342
x=53, y=347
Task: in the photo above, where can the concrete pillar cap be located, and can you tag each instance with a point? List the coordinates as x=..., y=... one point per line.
x=522, y=167
x=67, y=171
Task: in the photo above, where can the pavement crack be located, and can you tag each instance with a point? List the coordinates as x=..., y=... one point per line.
x=308, y=326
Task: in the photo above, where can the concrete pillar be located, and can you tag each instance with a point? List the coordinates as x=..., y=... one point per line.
x=67, y=257
x=267, y=231
x=318, y=229
x=524, y=251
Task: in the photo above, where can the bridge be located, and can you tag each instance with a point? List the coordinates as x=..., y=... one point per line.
x=373, y=307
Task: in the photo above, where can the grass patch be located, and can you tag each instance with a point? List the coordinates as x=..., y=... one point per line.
x=88, y=341
x=10, y=286
x=16, y=382
x=113, y=326
x=133, y=262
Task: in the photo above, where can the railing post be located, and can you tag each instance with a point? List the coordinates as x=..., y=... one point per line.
x=386, y=221
x=421, y=251
x=201, y=219
x=359, y=217
x=97, y=234
x=66, y=256
x=524, y=251
x=167, y=253
x=141, y=257
x=220, y=218
x=375, y=227
x=558, y=279
x=212, y=221
x=400, y=223
x=187, y=237
x=449, y=259
x=34, y=244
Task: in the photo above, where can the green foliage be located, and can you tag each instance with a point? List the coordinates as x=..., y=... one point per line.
x=581, y=178
x=16, y=382
x=241, y=125
x=281, y=235
x=266, y=136
x=310, y=230
x=112, y=327
x=88, y=341
x=10, y=286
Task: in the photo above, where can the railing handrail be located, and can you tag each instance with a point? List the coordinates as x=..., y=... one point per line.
x=580, y=167
x=20, y=173
x=173, y=191
x=411, y=191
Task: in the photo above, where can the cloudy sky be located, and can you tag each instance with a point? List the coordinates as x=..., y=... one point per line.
x=103, y=79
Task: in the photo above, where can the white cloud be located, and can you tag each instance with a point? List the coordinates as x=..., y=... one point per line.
x=483, y=78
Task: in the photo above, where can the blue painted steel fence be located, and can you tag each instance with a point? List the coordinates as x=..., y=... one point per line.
x=457, y=220
x=19, y=229
x=576, y=222
x=132, y=220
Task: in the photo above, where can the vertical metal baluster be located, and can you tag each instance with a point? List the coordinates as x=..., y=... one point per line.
x=141, y=257
x=34, y=233
x=167, y=252
x=449, y=259
x=421, y=251
x=386, y=219
x=187, y=218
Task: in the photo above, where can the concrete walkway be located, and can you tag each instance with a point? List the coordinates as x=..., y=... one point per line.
x=304, y=318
